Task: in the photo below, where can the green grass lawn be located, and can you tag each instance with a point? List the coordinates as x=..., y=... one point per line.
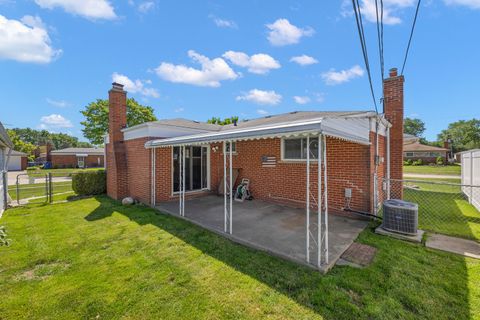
x=443, y=208
x=454, y=170
x=57, y=172
x=38, y=190
x=94, y=259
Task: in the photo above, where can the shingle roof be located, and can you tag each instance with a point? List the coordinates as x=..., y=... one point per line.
x=289, y=117
x=192, y=124
x=416, y=146
x=79, y=150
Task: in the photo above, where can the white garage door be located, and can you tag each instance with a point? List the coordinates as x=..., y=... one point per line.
x=15, y=163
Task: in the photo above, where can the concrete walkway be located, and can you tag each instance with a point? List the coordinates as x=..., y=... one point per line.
x=467, y=248
x=430, y=176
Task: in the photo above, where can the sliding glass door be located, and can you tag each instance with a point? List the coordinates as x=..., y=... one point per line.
x=196, y=168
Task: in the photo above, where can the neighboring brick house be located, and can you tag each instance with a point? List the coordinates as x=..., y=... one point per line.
x=414, y=150
x=78, y=158
x=143, y=161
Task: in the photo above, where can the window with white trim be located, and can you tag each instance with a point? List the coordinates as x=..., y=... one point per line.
x=296, y=148
x=234, y=147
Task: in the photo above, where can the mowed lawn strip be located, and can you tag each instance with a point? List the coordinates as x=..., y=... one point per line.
x=443, y=208
x=40, y=173
x=454, y=170
x=93, y=258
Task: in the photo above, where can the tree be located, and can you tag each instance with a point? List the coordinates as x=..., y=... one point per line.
x=217, y=120
x=20, y=145
x=95, y=125
x=414, y=127
x=465, y=134
x=41, y=137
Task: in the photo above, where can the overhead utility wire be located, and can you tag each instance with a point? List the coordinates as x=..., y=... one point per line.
x=411, y=35
x=358, y=18
x=380, y=46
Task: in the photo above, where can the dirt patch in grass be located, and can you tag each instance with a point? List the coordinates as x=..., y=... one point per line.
x=41, y=271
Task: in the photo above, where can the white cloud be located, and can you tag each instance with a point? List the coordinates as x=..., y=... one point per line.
x=146, y=6
x=54, y=121
x=136, y=86
x=212, y=71
x=301, y=99
x=58, y=103
x=261, y=97
x=304, y=60
x=177, y=110
x=90, y=9
x=223, y=23
x=472, y=4
x=391, y=9
x=333, y=77
x=26, y=40
x=283, y=33
x=262, y=112
x=259, y=63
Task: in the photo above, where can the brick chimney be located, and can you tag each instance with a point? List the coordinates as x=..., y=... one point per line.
x=393, y=109
x=116, y=162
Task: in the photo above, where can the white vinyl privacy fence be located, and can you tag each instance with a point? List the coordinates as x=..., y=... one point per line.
x=471, y=175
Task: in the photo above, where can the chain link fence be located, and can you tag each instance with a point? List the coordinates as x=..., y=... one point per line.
x=34, y=187
x=443, y=207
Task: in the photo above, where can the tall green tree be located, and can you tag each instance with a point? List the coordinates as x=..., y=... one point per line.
x=95, y=125
x=20, y=145
x=32, y=137
x=465, y=134
x=414, y=127
x=217, y=120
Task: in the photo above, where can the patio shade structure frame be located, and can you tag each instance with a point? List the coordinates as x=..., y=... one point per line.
x=307, y=129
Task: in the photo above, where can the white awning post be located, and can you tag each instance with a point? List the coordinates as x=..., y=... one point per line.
x=307, y=243
x=153, y=177
x=180, y=180
x=319, y=203
x=225, y=185
x=231, y=188
x=183, y=182
x=326, y=195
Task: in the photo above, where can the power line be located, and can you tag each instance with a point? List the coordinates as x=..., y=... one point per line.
x=411, y=35
x=361, y=34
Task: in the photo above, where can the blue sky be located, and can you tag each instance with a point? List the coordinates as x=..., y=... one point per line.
x=197, y=59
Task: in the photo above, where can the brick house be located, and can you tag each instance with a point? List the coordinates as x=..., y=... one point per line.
x=170, y=160
x=414, y=150
x=78, y=158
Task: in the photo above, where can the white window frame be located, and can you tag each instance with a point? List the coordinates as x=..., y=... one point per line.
x=282, y=151
x=234, y=150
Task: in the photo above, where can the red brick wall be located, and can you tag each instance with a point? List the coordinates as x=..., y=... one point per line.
x=139, y=169
x=24, y=163
x=71, y=161
x=348, y=167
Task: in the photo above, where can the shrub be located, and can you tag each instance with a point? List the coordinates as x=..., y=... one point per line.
x=418, y=162
x=89, y=182
x=440, y=161
x=407, y=162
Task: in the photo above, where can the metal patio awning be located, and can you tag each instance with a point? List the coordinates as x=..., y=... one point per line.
x=342, y=128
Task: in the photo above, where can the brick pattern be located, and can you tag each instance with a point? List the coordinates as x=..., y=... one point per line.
x=286, y=182
x=394, y=112
x=117, y=170
x=71, y=161
x=139, y=169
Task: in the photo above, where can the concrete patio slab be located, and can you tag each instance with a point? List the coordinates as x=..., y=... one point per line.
x=467, y=248
x=277, y=229
x=412, y=238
